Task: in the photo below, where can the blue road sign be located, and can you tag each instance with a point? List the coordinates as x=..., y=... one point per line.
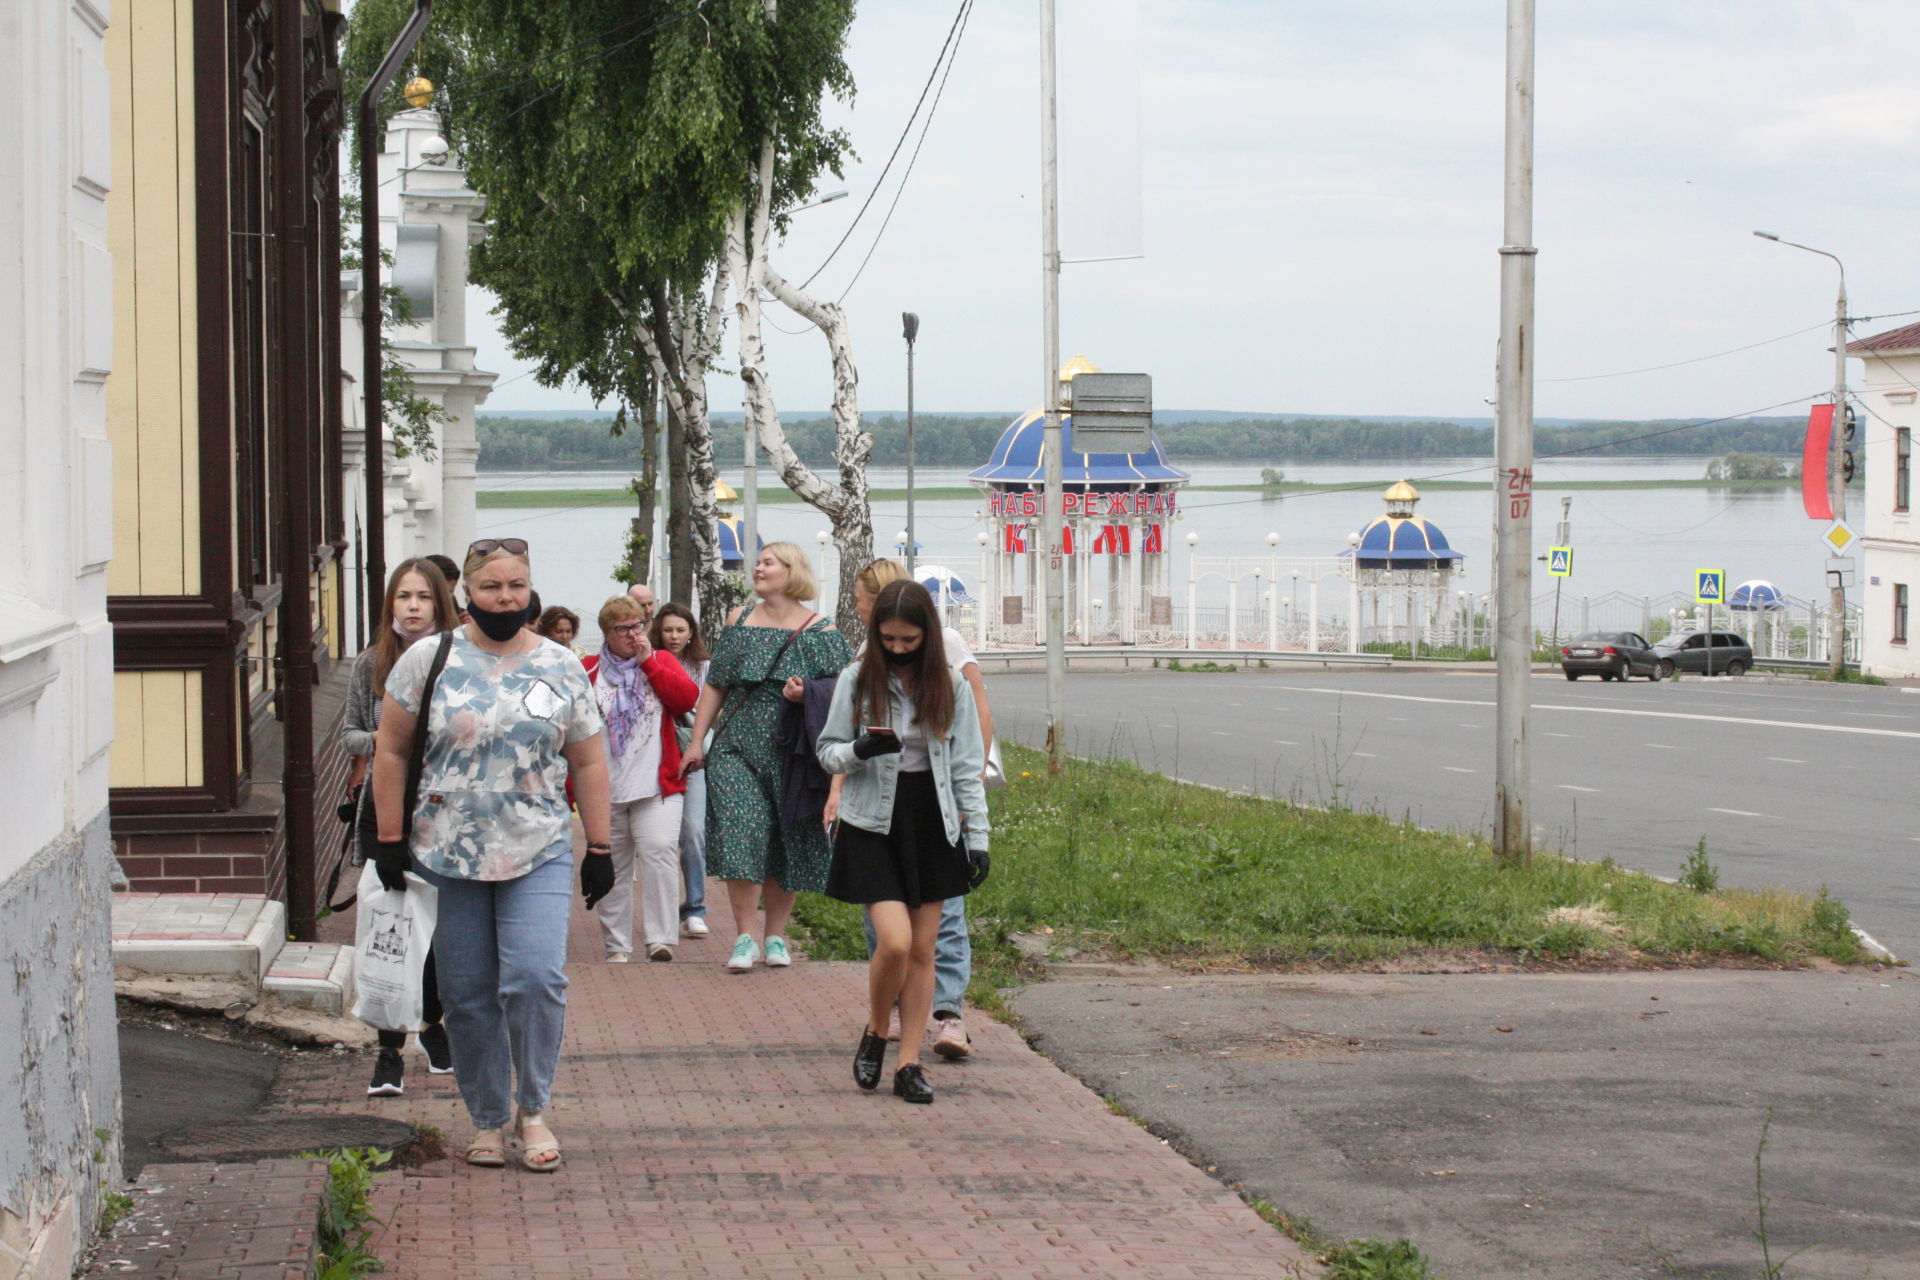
x=1560, y=562
x=1709, y=586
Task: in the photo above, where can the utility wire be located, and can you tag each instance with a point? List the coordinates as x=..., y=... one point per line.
x=905, y=130
x=1654, y=368
x=966, y=10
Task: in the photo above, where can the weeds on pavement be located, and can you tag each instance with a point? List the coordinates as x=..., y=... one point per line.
x=346, y=1213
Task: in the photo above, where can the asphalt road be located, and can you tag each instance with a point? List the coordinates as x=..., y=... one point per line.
x=1534, y=1126
x=1793, y=786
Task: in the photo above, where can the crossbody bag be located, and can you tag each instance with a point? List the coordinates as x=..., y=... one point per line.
x=733, y=705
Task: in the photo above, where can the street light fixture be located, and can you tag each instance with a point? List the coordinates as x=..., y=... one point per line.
x=909, y=329
x=1836, y=445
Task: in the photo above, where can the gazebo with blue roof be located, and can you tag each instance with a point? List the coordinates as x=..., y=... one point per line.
x=1116, y=506
x=1403, y=557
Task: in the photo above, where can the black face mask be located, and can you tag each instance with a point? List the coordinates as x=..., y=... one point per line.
x=498, y=626
x=893, y=659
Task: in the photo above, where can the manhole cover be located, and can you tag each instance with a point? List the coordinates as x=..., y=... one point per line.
x=258, y=1139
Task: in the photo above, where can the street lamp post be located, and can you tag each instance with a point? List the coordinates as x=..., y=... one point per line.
x=1836, y=445
x=910, y=328
x=1193, y=601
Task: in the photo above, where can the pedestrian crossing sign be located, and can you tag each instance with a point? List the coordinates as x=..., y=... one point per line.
x=1559, y=562
x=1709, y=586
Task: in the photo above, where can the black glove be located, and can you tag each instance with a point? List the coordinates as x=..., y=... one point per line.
x=390, y=861
x=348, y=806
x=596, y=876
x=871, y=744
x=978, y=865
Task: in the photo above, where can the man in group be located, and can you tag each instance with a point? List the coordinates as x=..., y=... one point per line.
x=643, y=596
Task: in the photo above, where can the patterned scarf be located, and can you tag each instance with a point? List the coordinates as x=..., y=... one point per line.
x=632, y=702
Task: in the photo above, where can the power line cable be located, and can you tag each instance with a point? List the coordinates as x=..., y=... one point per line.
x=1655, y=368
x=905, y=130
x=907, y=174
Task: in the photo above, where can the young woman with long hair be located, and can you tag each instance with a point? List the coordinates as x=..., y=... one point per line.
x=677, y=631
x=418, y=604
x=953, y=953
x=912, y=814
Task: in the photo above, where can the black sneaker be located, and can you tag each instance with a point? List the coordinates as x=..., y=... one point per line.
x=388, y=1074
x=433, y=1043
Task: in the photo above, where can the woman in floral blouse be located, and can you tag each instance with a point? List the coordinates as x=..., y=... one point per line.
x=511, y=717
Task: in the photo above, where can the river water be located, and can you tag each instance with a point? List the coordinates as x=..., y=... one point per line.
x=1638, y=541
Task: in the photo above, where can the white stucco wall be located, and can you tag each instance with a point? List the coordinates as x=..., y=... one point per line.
x=1890, y=539
x=429, y=501
x=59, y=1071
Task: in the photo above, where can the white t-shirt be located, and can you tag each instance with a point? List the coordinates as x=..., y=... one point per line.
x=636, y=775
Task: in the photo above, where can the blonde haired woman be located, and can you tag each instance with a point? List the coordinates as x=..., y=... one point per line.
x=510, y=717
x=768, y=651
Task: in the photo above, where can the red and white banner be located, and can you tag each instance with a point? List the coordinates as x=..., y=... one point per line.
x=1016, y=544
x=1114, y=540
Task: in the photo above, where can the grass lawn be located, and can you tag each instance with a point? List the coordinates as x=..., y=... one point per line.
x=1112, y=861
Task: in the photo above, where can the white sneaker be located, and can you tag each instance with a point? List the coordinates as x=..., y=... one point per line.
x=659, y=951
x=617, y=957
x=694, y=927
x=777, y=957
x=745, y=952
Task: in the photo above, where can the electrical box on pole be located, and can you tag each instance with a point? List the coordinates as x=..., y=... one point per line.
x=1112, y=413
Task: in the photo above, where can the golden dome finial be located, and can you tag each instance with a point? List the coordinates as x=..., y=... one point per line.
x=419, y=92
x=1400, y=498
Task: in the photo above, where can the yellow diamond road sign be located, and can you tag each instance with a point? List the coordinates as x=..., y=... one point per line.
x=1840, y=537
x=1709, y=586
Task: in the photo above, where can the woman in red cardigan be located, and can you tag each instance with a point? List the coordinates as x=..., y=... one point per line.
x=640, y=690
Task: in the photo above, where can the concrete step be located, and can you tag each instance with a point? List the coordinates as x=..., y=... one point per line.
x=223, y=940
x=313, y=975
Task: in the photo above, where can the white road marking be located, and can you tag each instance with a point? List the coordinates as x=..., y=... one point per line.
x=1559, y=735
x=1284, y=742
x=1568, y=786
x=1366, y=755
x=1221, y=733
x=1659, y=746
x=1620, y=711
x=1454, y=768
x=1791, y=760
x=1397, y=717
x=1738, y=813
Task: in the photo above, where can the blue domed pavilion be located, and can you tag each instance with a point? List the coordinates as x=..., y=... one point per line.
x=1116, y=507
x=1405, y=561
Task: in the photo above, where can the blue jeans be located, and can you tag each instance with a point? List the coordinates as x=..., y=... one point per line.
x=502, y=951
x=952, y=958
x=693, y=846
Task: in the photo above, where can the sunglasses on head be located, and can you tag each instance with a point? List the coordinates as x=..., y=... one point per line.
x=487, y=546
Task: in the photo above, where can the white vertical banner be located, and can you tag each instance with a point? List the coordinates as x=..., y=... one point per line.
x=1099, y=76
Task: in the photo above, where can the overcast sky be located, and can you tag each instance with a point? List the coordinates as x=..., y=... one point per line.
x=1323, y=205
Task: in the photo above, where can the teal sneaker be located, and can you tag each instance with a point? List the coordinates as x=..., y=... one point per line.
x=777, y=957
x=745, y=952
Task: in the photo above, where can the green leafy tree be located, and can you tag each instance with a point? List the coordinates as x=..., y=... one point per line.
x=616, y=140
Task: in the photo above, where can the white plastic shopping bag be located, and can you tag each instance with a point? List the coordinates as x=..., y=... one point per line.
x=390, y=942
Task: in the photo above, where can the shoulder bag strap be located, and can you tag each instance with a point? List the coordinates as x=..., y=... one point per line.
x=727, y=712
x=417, y=758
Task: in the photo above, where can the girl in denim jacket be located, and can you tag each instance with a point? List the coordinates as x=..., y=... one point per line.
x=913, y=815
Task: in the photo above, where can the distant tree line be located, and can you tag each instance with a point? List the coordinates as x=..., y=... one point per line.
x=944, y=440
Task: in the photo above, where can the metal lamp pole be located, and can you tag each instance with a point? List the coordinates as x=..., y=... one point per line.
x=910, y=327
x=1050, y=293
x=1836, y=446
x=371, y=350
x=1513, y=491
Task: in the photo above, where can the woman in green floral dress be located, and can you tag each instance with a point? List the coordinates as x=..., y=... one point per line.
x=768, y=649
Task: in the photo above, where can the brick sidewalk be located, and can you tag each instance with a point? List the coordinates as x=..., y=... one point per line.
x=712, y=1127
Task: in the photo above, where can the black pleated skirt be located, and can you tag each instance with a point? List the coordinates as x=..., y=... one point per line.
x=915, y=864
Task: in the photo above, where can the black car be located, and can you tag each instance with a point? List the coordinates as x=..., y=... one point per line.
x=1611, y=655
x=1719, y=653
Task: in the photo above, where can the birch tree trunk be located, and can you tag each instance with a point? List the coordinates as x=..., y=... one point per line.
x=844, y=504
x=681, y=342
